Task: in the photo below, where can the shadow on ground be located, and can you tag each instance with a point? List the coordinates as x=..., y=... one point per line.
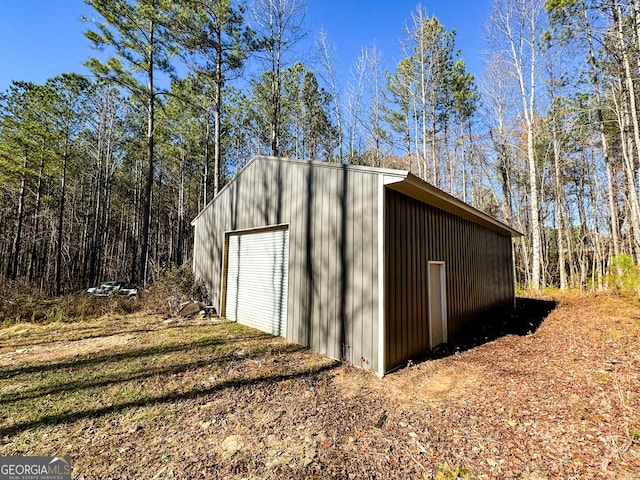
x=525, y=319
x=262, y=378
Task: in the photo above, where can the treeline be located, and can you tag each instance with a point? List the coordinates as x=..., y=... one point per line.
x=100, y=177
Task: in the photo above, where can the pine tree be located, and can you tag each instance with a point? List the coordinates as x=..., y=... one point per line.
x=69, y=97
x=215, y=42
x=137, y=32
x=279, y=25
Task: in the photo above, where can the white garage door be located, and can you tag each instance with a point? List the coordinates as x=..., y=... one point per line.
x=257, y=277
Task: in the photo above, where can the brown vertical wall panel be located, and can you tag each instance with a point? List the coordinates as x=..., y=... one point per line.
x=331, y=213
x=478, y=273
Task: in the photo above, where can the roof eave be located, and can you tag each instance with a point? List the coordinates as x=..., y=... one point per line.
x=420, y=190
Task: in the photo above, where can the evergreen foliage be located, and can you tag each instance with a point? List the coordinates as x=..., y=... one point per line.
x=99, y=177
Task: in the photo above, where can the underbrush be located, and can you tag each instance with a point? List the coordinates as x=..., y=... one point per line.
x=624, y=276
x=22, y=303
x=172, y=286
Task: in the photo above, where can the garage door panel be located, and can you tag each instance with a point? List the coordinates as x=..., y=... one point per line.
x=257, y=280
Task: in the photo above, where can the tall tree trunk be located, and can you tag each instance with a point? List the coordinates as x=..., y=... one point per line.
x=435, y=177
x=180, y=232
x=424, y=110
x=146, y=208
x=629, y=170
x=623, y=119
x=559, y=194
x=595, y=83
x=597, y=264
x=276, y=88
x=205, y=172
x=633, y=147
x=217, y=163
x=12, y=266
x=613, y=204
x=36, y=219
x=528, y=102
x=504, y=168
x=63, y=190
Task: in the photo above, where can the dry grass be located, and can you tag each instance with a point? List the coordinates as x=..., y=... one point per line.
x=21, y=303
x=140, y=397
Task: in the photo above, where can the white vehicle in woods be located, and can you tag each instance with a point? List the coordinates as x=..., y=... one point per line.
x=113, y=288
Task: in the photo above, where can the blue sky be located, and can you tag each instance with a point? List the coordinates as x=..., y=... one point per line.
x=40, y=39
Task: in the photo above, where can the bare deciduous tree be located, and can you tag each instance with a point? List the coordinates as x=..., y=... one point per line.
x=515, y=27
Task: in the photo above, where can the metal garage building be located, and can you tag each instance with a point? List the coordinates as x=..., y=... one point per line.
x=373, y=266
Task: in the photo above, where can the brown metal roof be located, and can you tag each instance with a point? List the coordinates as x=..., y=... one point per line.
x=414, y=187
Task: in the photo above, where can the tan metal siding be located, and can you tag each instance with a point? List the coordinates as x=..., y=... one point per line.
x=478, y=273
x=331, y=212
x=368, y=331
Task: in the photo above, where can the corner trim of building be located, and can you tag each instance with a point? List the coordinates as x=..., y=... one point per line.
x=381, y=286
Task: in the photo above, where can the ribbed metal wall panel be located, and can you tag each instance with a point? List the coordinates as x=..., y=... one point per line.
x=331, y=213
x=256, y=279
x=478, y=265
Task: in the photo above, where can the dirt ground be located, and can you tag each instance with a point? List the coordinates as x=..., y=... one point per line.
x=545, y=396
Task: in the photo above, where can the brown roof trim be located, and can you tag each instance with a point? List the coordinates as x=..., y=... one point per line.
x=417, y=188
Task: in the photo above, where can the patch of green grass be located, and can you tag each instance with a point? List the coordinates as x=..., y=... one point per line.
x=445, y=472
x=61, y=382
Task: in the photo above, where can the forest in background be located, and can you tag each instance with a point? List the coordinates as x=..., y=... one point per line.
x=100, y=177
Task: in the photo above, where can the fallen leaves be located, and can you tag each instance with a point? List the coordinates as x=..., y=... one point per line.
x=227, y=402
